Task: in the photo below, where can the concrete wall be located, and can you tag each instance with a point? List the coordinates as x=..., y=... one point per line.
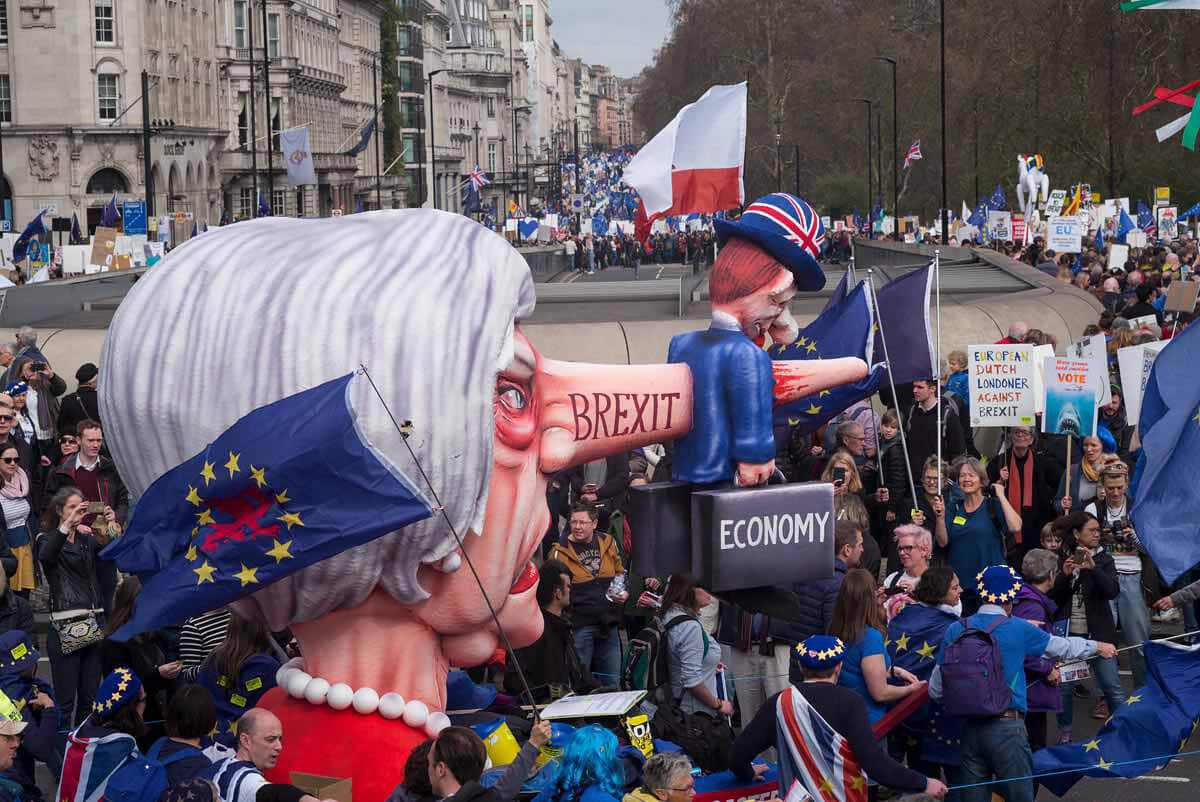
x=545, y=260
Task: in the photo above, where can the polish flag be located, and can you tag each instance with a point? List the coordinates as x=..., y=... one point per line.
x=695, y=164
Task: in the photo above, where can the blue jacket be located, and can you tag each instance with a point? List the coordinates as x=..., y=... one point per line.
x=732, y=404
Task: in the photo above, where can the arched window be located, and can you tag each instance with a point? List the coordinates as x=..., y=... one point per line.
x=106, y=182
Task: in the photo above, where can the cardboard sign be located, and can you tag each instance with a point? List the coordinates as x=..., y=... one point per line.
x=1070, y=398
x=1134, y=363
x=1040, y=354
x=103, y=245
x=1094, y=351
x=1118, y=255
x=1018, y=227
x=1000, y=380
x=337, y=788
x=1181, y=296
x=1000, y=226
x=1064, y=235
x=1168, y=222
x=1055, y=203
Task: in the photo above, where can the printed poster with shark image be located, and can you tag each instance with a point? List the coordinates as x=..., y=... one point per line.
x=1070, y=397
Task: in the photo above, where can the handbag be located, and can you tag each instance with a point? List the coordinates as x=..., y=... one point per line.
x=78, y=632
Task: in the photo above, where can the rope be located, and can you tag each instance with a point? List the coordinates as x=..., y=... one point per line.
x=1073, y=771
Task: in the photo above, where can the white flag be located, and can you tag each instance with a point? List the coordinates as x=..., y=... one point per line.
x=297, y=155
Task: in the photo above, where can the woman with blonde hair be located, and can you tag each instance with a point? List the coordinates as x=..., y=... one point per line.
x=848, y=504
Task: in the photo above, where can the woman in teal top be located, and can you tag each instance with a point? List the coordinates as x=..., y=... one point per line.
x=974, y=528
x=859, y=621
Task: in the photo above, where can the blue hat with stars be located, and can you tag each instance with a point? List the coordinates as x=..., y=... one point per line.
x=998, y=584
x=821, y=652
x=788, y=229
x=17, y=652
x=119, y=688
x=16, y=388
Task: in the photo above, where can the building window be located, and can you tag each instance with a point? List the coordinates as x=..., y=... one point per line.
x=109, y=96
x=239, y=23
x=528, y=27
x=104, y=22
x=273, y=35
x=5, y=100
x=410, y=149
x=246, y=202
x=3, y=22
x=491, y=106
x=276, y=121
x=243, y=119
x=279, y=207
x=491, y=157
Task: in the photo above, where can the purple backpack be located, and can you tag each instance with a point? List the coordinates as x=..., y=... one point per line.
x=973, y=684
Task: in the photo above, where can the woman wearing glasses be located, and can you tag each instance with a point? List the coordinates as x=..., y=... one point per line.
x=667, y=778
x=932, y=496
x=15, y=504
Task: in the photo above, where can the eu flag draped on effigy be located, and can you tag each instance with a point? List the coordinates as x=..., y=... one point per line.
x=1143, y=734
x=287, y=485
x=1166, y=507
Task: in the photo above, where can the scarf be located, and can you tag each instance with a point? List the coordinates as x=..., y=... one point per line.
x=17, y=486
x=1020, y=482
x=1090, y=472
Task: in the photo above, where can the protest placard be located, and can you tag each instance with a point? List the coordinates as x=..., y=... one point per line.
x=103, y=245
x=1117, y=255
x=1134, y=363
x=1168, y=223
x=1055, y=203
x=1063, y=234
x=1149, y=321
x=1000, y=225
x=1094, y=351
x=1070, y=397
x=1181, y=296
x=1000, y=382
x=1040, y=354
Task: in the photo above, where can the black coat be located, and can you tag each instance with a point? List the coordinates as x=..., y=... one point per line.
x=77, y=407
x=817, y=598
x=923, y=436
x=112, y=488
x=1100, y=586
x=15, y=613
x=70, y=570
x=550, y=660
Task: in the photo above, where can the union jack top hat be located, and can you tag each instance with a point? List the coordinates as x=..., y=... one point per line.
x=788, y=229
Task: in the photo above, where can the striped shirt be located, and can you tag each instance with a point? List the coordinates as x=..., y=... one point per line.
x=200, y=637
x=16, y=511
x=237, y=780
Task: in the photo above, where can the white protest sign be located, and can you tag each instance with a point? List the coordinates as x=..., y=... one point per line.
x=1040, y=354
x=1094, y=351
x=1149, y=321
x=1070, y=398
x=1118, y=255
x=1001, y=385
x=510, y=224
x=1055, y=203
x=1134, y=363
x=1000, y=225
x=1168, y=222
x=1136, y=239
x=551, y=220
x=1063, y=235
x=585, y=226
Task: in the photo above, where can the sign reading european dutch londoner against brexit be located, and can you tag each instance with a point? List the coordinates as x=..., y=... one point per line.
x=1001, y=379
x=764, y=536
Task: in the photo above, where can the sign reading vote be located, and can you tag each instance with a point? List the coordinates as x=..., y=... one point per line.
x=751, y=537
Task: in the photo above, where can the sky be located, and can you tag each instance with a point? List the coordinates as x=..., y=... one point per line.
x=620, y=34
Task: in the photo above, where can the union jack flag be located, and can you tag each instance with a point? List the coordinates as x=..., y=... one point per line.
x=814, y=760
x=89, y=763
x=914, y=154
x=479, y=179
x=798, y=221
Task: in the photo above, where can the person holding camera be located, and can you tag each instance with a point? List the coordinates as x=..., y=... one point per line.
x=1120, y=540
x=44, y=389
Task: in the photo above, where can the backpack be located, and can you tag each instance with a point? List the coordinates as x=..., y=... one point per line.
x=141, y=778
x=647, y=664
x=973, y=684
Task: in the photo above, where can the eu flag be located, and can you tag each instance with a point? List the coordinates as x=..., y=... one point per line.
x=1166, y=507
x=1146, y=219
x=1194, y=211
x=76, y=234
x=264, y=210
x=997, y=201
x=1143, y=734
x=32, y=231
x=288, y=485
x=470, y=200
x=914, y=636
x=978, y=217
x=1098, y=244
x=367, y=130
x=111, y=216
x=1124, y=226
x=903, y=310
x=841, y=330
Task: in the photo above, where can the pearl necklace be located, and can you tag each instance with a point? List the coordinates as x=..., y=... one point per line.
x=299, y=684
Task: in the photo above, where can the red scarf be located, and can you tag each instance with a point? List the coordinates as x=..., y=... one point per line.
x=1020, y=490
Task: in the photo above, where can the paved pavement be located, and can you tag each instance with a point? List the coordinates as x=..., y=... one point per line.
x=647, y=272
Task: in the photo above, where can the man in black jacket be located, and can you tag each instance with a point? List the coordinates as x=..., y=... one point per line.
x=551, y=665
x=923, y=427
x=456, y=762
x=82, y=404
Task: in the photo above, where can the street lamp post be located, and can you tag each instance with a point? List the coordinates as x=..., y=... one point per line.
x=870, y=110
x=945, y=205
x=778, y=163
x=476, y=129
x=433, y=188
x=895, y=149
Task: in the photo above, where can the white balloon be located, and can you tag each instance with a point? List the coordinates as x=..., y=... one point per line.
x=282, y=676
x=317, y=690
x=437, y=722
x=366, y=700
x=340, y=696
x=391, y=705
x=298, y=683
x=416, y=713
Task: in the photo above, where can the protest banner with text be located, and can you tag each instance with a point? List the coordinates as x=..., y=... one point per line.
x=1070, y=397
x=1001, y=384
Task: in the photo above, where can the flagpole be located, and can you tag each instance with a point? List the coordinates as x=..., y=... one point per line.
x=937, y=352
x=912, y=486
